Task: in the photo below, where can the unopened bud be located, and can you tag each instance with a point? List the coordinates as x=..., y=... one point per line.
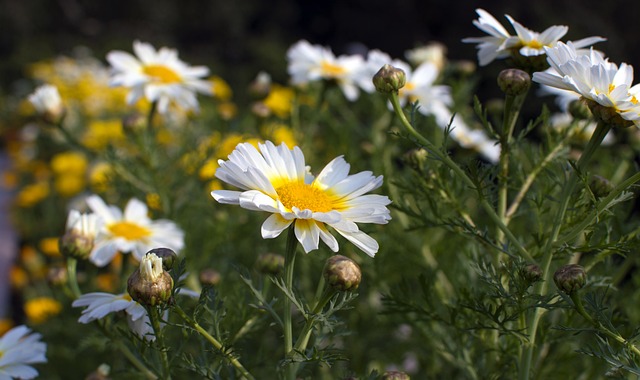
x=102, y=373
x=167, y=255
x=150, y=284
x=209, y=277
x=78, y=241
x=342, y=273
x=134, y=122
x=532, y=273
x=514, y=82
x=395, y=375
x=416, y=158
x=600, y=186
x=389, y=79
x=270, y=263
x=48, y=103
x=57, y=276
x=570, y=278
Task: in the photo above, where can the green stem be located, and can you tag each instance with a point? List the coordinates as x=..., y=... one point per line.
x=305, y=334
x=289, y=261
x=460, y=173
x=152, y=112
x=214, y=342
x=127, y=353
x=72, y=264
x=577, y=301
x=567, y=191
x=154, y=316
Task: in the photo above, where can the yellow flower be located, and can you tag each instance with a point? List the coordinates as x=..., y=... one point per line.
x=39, y=310
x=214, y=185
x=102, y=133
x=227, y=110
x=18, y=277
x=280, y=133
x=153, y=201
x=5, y=325
x=106, y=282
x=208, y=170
x=69, y=163
x=69, y=185
x=280, y=100
x=221, y=89
x=32, y=194
x=99, y=177
x=49, y=246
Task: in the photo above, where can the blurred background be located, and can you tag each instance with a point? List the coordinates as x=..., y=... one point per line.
x=236, y=39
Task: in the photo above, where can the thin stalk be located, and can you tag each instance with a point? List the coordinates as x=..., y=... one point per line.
x=569, y=186
x=72, y=277
x=127, y=353
x=214, y=342
x=460, y=173
x=154, y=317
x=577, y=301
x=305, y=334
x=289, y=261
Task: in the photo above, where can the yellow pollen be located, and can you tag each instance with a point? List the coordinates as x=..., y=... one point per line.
x=331, y=70
x=535, y=44
x=128, y=230
x=126, y=297
x=634, y=100
x=161, y=74
x=611, y=87
x=304, y=197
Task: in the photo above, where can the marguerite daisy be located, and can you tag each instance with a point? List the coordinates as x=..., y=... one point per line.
x=19, y=348
x=500, y=44
x=99, y=305
x=274, y=179
x=47, y=102
x=308, y=63
x=593, y=77
x=132, y=231
x=160, y=76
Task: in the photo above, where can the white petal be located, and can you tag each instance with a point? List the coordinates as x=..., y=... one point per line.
x=308, y=234
x=273, y=226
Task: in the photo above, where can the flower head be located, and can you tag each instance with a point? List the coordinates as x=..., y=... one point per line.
x=500, y=44
x=274, y=179
x=592, y=77
x=19, y=348
x=78, y=241
x=308, y=63
x=132, y=231
x=47, y=102
x=158, y=75
x=99, y=305
x=150, y=285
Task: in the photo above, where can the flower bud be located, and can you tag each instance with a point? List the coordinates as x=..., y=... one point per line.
x=531, y=273
x=570, y=278
x=134, y=122
x=416, y=158
x=342, y=273
x=78, y=241
x=395, y=375
x=102, y=373
x=150, y=284
x=389, y=79
x=57, y=276
x=514, y=82
x=270, y=263
x=600, y=186
x=167, y=255
x=209, y=277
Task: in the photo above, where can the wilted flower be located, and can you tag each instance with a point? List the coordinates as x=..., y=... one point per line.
x=132, y=231
x=308, y=63
x=99, y=305
x=275, y=180
x=158, y=76
x=18, y=349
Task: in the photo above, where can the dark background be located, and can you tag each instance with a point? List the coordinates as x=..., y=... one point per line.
x=238, y=38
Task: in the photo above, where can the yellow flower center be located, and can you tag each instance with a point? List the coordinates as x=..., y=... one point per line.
x=331, y=70
x=128, y=230
x=535, y=44
x=304, y=197
x=161, y=74
x=126, y=297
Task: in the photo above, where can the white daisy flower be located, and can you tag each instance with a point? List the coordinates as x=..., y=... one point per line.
x=160, y=76
x=593, y=77
x=99, y=305
x=83, y=224
x=47, y=101
x=18, y=349
x=501, y=44
x=275, y=180
x=132, y=231
x=308, y=63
